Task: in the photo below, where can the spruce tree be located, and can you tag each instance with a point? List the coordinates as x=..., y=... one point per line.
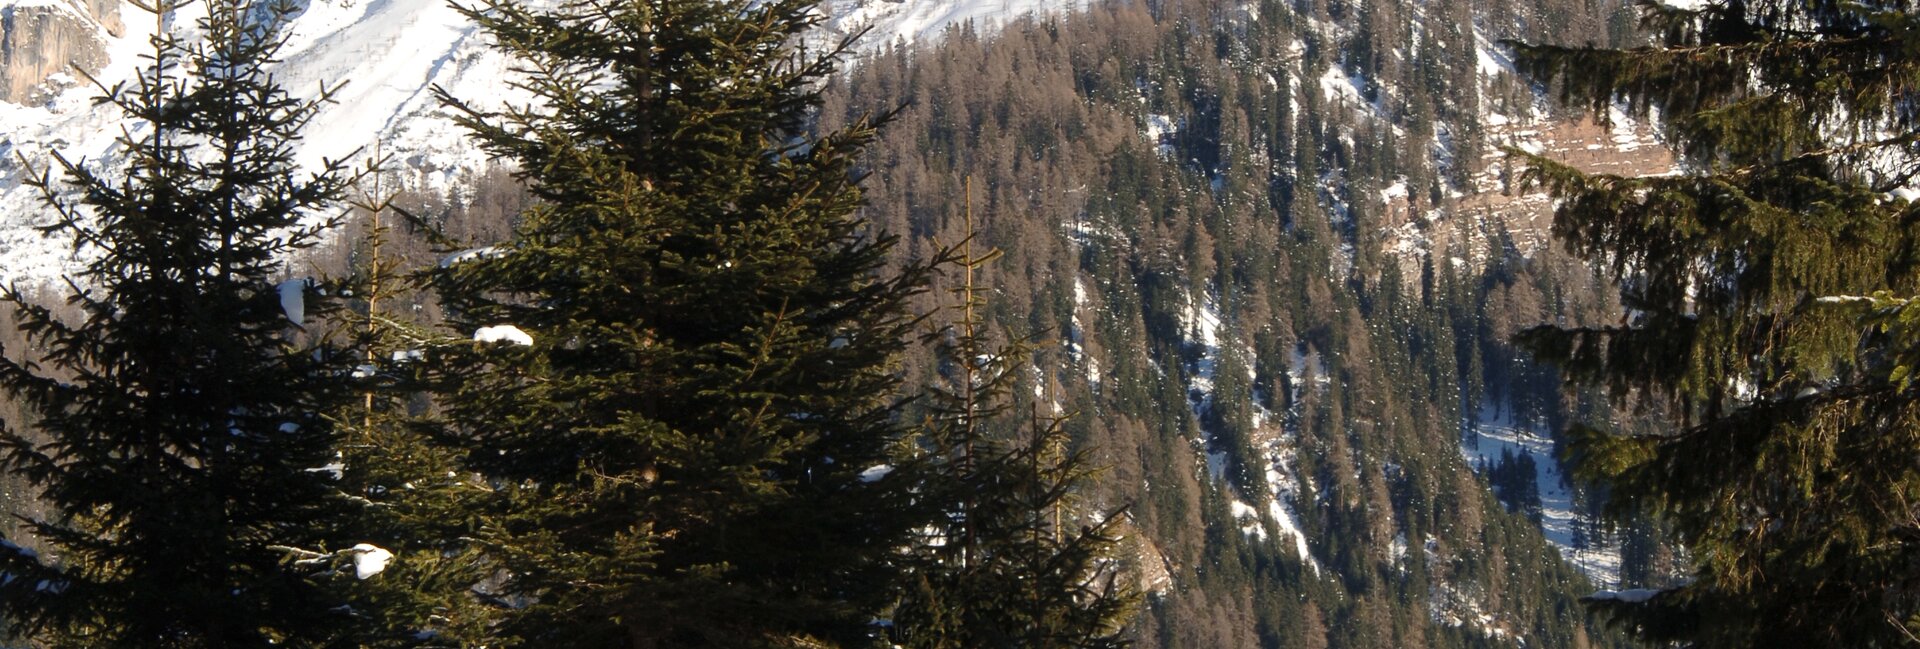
x=176, y=426
x=1788, y=469
x=685, y=354
x=1006, y=562
x=419, y=505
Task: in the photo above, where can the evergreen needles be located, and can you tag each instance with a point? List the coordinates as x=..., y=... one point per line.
x=1003, y=563
x=176, y=424
x=673, y=423
x=1789, y=471
x=707, y=365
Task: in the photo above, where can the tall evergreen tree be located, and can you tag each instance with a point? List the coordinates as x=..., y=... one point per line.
x=1789, y=471
x=700, y=340
x=1006, y=562
x=176, y=427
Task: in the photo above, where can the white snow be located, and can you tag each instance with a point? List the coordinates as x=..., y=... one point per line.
x=1458, y=605
x=1283, y=516
x=1304, y=365
x=1076, y=333
x=1496, y=432
x=1249, y=518
x=471, y=254
x=1490, y=61
x=336, y=469
x=293, y=300
x=876, y=472
x=1395, y=191
x=1336, y=86
x=914, y=21
x=1160, y=130
x=503, y=333
x=1630, y=596
x=1200, y=326
x=369, y=560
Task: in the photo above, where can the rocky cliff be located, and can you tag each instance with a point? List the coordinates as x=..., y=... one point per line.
x=42, y=41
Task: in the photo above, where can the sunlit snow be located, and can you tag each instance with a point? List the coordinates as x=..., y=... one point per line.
x=1494, y=432
x=503, y=334
x=369, y=560
x=293, y=300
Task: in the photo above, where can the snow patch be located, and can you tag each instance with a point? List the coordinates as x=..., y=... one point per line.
x=503, y=333
x=1630, y=596
x=1494, y=433
x=1249, y=518
x=891, y=22
x=293, y=300
x=369, y=560
x=471, y=254
x=1160, y=130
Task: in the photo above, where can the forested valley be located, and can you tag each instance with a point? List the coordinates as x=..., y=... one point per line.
x=1174, y=323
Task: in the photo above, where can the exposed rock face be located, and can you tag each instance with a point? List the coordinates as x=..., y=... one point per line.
x=1499, y=211
x=40, y=39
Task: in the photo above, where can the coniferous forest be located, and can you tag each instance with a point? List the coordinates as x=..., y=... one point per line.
x=1151, y=323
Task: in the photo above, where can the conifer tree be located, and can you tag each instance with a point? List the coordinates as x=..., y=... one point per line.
x=419, y=505
x=175, y=428
x=1004, y=564
x=696, y=338
x=1788, y=473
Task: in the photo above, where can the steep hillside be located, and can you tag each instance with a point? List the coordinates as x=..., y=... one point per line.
x=1277, y=285
x=1271, y=249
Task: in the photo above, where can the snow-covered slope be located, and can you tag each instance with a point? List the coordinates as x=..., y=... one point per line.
x=1495, y=434
x=913, y=21
x=389, y=54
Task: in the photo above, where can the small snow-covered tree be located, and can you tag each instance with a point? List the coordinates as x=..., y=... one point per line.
x=176, y=428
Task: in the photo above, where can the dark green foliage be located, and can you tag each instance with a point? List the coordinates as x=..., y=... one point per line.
x=419, y=503
x=676, y=456
x=1515, y=482
x=175, y=429
x=1007, y=562
x=1786, y=466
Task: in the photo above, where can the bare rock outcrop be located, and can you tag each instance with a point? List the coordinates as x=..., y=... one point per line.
x=42, y=38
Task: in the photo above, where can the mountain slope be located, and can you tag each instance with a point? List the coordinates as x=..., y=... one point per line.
x=1271, y=242
x=1237, y=231
x=389, y=54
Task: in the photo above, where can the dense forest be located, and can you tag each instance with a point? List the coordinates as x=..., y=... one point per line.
x=1248, y=294
x=1194, y=227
